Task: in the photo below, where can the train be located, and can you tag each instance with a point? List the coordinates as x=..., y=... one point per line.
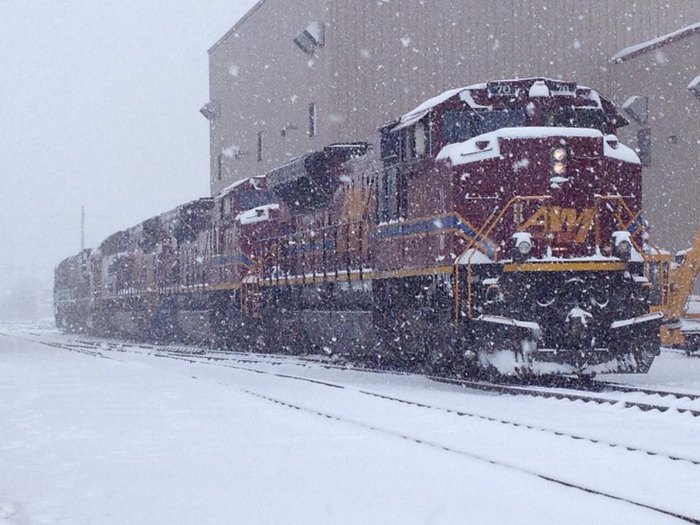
x=493, y=228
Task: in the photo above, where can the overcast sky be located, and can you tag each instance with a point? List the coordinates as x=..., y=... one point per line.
x=99, y=106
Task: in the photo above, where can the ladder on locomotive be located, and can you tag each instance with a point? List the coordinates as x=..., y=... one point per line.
x=251, y=295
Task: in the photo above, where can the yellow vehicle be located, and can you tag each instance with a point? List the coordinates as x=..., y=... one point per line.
x=673, y=279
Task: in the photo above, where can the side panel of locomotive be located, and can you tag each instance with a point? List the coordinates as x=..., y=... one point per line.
x=309, y=285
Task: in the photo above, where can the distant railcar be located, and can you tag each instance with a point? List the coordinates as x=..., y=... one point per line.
x=494, y=227
x=71, y=292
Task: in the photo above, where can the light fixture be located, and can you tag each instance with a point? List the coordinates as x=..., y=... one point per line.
x=694, y=87
x=313, y=36
x=210, y=110
x=623, y=244
x=624, y=249
x=559, y=159
x=559, y=168
x=559, y=154
x=637, y=108
x=522, y=245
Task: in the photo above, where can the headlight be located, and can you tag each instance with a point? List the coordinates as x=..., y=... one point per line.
x=524, y=247
x=559, y=154
x=559, y=168
x=623, y=244
x=624, y=248
x=559, y=160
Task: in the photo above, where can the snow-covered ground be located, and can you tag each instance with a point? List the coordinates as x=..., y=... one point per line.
x=126, y=436
x=672, y=371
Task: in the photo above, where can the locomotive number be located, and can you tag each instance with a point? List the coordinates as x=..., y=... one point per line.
x=503, y=90
x=566, y=223
x=563, y=89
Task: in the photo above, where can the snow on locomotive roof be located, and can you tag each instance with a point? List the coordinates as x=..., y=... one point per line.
x=187, y=208
x=424, y=108
x=649, y=45
x=259, y=214
x=468, y=151
x=251, y=180
x=420, y=111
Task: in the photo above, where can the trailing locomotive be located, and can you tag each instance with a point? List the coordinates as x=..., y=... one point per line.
x=495, y=226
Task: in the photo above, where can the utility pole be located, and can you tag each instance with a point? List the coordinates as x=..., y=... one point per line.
x=82, y=228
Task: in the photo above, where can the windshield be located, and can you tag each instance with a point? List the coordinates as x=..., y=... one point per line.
x=571, y=117
x=461, y=125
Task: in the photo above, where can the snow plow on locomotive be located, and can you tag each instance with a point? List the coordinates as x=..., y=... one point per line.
x=495, y=226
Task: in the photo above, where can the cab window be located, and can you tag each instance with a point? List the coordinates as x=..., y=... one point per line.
x=463, y=124
x=570, y=117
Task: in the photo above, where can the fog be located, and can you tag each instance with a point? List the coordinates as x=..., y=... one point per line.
x=99, y=104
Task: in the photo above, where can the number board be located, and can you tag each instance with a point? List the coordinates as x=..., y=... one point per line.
x=559, y=88
x=503, y=90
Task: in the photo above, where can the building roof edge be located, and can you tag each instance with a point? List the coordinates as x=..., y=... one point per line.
x=639, y=49
x=238, y=24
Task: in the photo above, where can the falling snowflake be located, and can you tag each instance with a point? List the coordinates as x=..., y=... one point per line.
x=521, y=164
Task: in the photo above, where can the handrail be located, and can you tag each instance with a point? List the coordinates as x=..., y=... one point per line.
x=496, y=217
x=483, y=233
x=339, y=232
x=635, y=217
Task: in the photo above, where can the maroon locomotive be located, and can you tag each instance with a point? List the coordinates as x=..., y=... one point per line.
x=495, y=226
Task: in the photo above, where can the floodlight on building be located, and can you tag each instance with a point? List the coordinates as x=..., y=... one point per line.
x=210, y=110
x=637, y=108
x=694, y=87
x=311, y=37
x=304, y=43
x=316, y=32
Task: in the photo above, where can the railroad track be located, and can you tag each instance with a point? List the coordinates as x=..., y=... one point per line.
x=246, y=362
x=574, y=395
x=586, y=391
x=465, y=453
x=590, y=392
x=619, y=387
x=243, y=364
x=573, y=389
